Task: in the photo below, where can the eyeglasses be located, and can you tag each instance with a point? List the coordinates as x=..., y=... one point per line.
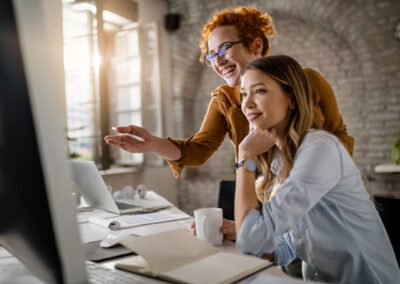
x=210, y=57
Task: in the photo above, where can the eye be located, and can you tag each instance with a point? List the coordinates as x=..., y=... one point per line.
x=260, y=91
x=223, y=49
x=227, y=46
x=243, y=96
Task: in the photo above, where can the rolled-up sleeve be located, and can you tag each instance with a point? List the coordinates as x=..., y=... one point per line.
x=199, y=147
x=255, y=236
x=317, y=169
x=284, y=252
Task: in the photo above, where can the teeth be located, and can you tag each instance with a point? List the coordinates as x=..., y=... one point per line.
x=229, y=70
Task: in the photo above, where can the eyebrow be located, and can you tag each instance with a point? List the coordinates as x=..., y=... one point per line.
x=254, y=85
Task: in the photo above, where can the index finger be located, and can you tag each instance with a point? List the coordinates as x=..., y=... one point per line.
x=122, y=129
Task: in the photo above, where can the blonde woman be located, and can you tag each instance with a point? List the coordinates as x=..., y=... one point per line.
x=316, y=206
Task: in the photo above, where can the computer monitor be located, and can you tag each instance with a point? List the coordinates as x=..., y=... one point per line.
x=37, y=220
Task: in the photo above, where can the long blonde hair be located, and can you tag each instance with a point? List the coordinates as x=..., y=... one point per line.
x=293, y=81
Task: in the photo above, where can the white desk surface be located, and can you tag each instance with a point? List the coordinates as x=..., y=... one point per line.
x=90, y=232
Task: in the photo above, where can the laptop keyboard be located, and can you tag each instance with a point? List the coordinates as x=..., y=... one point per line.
x=123, y=206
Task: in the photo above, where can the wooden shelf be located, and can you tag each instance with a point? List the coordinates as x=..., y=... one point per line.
x=384, y=177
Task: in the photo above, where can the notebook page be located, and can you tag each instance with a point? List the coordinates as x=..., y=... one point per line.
x=217, y=268
x=167, y=250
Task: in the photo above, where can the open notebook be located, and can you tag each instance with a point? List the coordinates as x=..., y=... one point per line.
x=178, y=256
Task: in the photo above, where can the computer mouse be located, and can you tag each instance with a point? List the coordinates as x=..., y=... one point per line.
x=110, y=241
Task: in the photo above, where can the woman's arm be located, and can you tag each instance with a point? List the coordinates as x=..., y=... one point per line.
x=316, y=170
x=143, y=142
x=245, y=193
x=197, y=149
x=256, y=142
x=193, y=151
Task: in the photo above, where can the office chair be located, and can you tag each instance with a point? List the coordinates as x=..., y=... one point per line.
x=226, y=199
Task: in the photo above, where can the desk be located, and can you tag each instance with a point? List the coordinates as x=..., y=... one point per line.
x=90, y=232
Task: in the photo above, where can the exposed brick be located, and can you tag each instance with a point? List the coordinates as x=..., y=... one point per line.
x=351, y=43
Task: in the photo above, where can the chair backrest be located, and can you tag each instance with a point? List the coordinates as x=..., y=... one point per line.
x=226, y=199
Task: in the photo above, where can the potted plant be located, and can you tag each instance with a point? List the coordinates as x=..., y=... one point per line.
x=395, y=155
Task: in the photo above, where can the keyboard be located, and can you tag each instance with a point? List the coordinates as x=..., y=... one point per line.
x=99, y=274
x=11, y=269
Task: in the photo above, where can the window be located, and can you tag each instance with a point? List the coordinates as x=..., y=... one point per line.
x=131, y=83
x=81, y=64
x=127, y=101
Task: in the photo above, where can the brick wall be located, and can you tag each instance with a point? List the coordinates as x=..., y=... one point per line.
x=352, y=43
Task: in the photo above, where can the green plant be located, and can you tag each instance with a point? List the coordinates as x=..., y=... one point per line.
x=71, y=154
x=396, y=150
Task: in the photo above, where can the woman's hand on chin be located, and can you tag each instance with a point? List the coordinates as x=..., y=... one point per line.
x=258, y=141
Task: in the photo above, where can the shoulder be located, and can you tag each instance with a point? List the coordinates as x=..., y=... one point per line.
x=321, y=157
x=226, y=95
x=320, y=141
x=222, y=90
x=319, y=136
x=312, y=74
x=317, y=82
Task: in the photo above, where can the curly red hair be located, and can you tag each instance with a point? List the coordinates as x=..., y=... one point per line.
x=250, y=22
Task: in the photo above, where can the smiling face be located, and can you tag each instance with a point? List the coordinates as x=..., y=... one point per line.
x=232, y=65
x=264, y=102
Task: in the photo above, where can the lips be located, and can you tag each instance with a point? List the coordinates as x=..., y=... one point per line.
x=253, y=115
x=227, y=71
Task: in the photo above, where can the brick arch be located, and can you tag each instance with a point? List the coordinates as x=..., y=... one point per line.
x=321, y=48
x=367, y=31
x=348, y=34
x=351, y=43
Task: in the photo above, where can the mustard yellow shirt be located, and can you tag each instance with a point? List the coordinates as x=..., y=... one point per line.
x=224, y=116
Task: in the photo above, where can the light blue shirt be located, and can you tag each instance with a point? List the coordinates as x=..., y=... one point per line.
x=322, y=214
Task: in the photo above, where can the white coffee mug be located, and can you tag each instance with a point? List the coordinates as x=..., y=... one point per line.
x=208, y=224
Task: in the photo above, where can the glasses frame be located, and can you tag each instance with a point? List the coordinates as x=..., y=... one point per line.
x=210, y=58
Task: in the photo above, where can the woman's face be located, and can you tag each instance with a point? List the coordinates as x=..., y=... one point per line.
x=232, y=65
x=264, y=102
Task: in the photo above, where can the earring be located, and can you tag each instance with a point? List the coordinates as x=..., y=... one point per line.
x=292, y=106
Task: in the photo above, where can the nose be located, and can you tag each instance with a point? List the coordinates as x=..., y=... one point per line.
x=247, y=102
x=219, y=60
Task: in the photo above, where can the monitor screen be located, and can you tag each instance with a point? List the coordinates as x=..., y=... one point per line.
x=36, y=220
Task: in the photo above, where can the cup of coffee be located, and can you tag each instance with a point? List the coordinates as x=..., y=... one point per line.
x=208, y=225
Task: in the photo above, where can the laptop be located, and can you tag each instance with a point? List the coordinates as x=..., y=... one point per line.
x=97, y=195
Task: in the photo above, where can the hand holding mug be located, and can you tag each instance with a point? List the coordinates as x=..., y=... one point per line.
x=208, y=223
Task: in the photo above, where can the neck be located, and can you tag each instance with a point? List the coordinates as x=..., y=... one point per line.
x=280, y=143
x=280, y=137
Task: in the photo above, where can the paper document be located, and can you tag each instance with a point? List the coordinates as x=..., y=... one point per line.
x=129, y=221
